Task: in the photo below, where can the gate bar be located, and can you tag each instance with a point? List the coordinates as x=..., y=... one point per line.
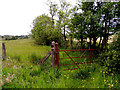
x=72, y=59
x=77, y=50
x=78, y=57
x=74, y=64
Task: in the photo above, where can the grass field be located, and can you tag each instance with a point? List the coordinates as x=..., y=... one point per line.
x=19, y=70
x=23, y=49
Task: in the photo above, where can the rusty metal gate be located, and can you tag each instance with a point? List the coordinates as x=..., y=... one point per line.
x=75, y=63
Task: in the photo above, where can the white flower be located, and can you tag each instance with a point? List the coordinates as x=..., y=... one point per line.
x=112, y=85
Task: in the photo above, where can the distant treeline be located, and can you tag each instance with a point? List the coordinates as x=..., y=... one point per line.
x=11, y=37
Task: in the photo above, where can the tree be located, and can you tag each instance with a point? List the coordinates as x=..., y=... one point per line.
x=42, y=31
x=117, y=16
x=63, y=15
x=53, y=10
x=97, y=21
x=78, y=23
x=87, y=19
x=71, y=25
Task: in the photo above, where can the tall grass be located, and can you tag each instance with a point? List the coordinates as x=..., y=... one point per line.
x=20, y=70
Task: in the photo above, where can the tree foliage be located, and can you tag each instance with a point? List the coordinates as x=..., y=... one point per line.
x=111, y=57
x=96, y=20
x=43, y=32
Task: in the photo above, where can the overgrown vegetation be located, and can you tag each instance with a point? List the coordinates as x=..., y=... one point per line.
x=18, y=70
x=97, y=20
x=111, y=57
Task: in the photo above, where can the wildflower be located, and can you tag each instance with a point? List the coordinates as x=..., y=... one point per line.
x=112, y=85
x=83, y=86
x=67, y=77
x=2, y=82
x=116, y=81
x=64, y=75
x=108, y=84
x=14, y=67
x=7, y=79
x=8, y=74
x=104, y=80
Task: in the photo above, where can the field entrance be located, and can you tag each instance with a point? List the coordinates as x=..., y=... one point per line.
x=74, y=57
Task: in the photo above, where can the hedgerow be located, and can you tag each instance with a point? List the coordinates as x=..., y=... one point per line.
x=111, y=58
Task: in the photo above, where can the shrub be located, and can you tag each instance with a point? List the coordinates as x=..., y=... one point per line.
x=111, y=57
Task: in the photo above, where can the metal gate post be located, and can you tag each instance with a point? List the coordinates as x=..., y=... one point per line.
x=57, y=55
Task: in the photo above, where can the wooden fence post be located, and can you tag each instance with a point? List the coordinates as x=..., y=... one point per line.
x=3, y=51
x=57, y=55
x=53, y=53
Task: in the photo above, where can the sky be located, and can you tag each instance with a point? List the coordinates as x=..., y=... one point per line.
x=16, y=16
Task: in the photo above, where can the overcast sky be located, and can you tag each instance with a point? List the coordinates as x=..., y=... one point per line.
x=16, y=16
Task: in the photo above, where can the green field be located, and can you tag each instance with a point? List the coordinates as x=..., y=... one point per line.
x=20, y=70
